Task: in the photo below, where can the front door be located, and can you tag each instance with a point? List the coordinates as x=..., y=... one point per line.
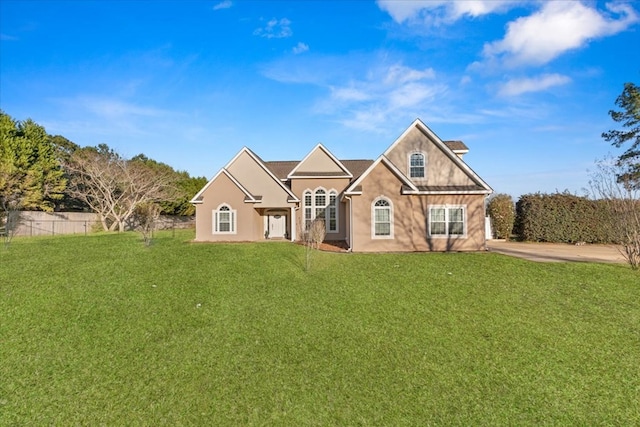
x=277, y=226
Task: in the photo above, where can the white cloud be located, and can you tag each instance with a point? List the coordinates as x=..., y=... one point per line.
x=349, y=94
x=437, y=11
x=402, y=74
x=557, y=27
x=373, y=92
x=403, y=10
x=535, y=84
x=107, y=107
x=382, y=93
x=300, y=48
x=317, y=70
x=226, y=4
x=275, y=29
x=368, y=120
x=411, y=95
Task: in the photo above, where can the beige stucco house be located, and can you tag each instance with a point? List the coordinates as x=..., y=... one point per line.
x=419, y=195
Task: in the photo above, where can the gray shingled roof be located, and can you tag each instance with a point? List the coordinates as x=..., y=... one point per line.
x=356, y=167
x=456, y=145
x=281, y=169
x=445, y=188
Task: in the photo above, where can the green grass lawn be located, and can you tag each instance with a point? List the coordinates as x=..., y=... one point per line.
x=101, y=330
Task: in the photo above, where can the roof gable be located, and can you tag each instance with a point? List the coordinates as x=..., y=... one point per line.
x=249, y=170
x=418, y=136
x=320, y=163
x=249, y=198
x=353, y=188
x=444, y=165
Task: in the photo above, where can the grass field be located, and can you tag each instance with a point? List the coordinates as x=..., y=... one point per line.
x=100, y=330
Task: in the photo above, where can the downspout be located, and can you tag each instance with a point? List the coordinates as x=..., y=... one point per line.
x=485, y=203
x=294, y=225
x=348, y=198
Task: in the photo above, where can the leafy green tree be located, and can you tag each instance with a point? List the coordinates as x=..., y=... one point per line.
x=189, y=187
x=64, y=149
x=30, y=175
x=629, y=117
x=185, y=185
x=502, y=212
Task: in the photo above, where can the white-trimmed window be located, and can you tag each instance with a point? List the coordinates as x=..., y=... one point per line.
x=308, y=209
x=318, y=205
x=417, y=165
x=447, y=221
x=332, y=212
x=381, y=219
x=224, y=220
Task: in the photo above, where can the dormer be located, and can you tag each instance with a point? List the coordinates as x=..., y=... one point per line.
x=458, y=147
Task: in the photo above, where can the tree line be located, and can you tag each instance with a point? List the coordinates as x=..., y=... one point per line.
x=50, y=173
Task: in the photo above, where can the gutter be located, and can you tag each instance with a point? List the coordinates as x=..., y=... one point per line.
x=348, y=198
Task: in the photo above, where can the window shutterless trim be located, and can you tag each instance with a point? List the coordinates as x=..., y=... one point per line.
x=318, y=204
x=419, y=164
x=448, y=221
x=224, y=216
x=378, y=207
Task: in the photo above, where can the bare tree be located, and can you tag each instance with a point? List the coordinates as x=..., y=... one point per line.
x=621, y=196
x=145, y=216
x=313, y=237
x=114, y=187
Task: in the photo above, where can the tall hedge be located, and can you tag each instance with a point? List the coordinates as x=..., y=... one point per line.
x=562, y=218
x=502, y=212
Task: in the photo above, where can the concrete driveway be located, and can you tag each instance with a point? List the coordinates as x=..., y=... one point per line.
x=557, y=252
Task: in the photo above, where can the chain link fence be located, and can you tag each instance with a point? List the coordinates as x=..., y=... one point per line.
x=56, y=223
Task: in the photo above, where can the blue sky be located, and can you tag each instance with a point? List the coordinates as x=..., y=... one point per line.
x=525, y=84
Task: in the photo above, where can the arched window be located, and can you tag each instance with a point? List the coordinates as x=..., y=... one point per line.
x=224, y=220
x=416, y=165
x=382, y=219
x=316, y=205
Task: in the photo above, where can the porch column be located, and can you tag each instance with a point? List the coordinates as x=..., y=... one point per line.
x=293, y=224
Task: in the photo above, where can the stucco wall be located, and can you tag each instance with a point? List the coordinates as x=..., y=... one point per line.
x=440, y=168
x=410, y=218
x=317, y=161
x=223, y=190
x=258, y=182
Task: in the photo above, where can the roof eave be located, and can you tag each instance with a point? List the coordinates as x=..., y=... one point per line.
x=319, y=176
